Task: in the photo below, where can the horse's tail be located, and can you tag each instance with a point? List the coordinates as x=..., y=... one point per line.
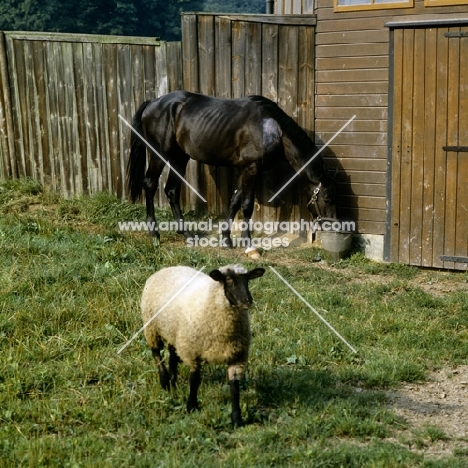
x=137, y=162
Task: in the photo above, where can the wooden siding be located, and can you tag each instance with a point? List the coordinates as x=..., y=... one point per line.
x=237, y=55
x=428, y=211
x=352, y=63
x=61, y=97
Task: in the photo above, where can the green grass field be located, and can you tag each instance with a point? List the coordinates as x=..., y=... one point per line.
x=70, y=285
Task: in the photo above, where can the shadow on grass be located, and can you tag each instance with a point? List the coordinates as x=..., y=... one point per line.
x=334, y=407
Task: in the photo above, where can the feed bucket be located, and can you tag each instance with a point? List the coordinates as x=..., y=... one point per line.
x=336, y=244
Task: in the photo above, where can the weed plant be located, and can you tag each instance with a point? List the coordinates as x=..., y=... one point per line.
x=70, y=284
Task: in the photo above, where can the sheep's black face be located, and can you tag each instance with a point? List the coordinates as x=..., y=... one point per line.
x=236, y=284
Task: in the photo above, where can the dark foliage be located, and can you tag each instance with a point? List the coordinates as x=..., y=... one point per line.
x=132, y=18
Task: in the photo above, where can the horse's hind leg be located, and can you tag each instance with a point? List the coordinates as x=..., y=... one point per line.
x=150, y=184
x=172, y=190
x=249, y=178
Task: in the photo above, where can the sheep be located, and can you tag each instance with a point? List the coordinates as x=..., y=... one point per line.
x=204, y=321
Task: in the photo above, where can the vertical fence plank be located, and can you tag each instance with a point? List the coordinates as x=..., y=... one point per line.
x=223, y=42
x=207, y=79
x=110, y=61
x=306, y=94
x=18, y=81
x=429, y=146
x=453, y=100
x=124, y=90
x=270, y=61
x=288, y=70
x=31, y=116
x=395, y=174
x=269, y=179
x=190, y=52
x=7, y=148
x=461, y=241
x=174, y=65
x=53, y=117
x=70, y=120
x=253, y=58
x=407, y=134
x=238, y=59
x=79, y=127
x=191, y=83
x=225, y=176
x=440, y=142
x=90, y=116
x=417, y=148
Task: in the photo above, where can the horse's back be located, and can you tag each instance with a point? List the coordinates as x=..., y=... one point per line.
x=213, y=130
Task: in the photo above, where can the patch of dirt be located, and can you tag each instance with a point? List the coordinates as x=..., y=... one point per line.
x=441, y=403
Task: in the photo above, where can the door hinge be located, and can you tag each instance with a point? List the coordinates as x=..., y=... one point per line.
x=456, y=34
x=457, y=149
x=451, y=258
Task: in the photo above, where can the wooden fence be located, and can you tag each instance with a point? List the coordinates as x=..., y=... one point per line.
x=60, y=100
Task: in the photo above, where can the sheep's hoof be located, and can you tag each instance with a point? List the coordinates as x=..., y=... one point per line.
x=236, y=420
x=164, y=379
x=191, y=406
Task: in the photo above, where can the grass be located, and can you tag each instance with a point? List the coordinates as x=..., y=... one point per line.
x=69, y=292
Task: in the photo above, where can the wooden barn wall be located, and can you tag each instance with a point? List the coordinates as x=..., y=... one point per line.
x=60, y=101
x=237, y=55
x=352, y=78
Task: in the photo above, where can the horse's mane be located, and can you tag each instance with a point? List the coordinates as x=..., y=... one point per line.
x=289, y=126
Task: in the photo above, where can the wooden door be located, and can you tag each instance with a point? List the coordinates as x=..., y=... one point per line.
x=428, y=164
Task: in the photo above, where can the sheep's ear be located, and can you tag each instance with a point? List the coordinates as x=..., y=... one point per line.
x=255, y=273
x=217, y=276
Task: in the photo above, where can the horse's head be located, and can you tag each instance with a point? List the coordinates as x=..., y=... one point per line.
x=322, y=197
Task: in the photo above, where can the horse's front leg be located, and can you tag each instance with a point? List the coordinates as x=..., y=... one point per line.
x=233, y=209
x=249, y=178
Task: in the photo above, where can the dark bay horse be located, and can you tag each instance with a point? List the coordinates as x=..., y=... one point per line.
x=250, y=133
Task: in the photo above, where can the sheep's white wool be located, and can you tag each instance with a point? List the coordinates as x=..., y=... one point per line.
x=197, y=320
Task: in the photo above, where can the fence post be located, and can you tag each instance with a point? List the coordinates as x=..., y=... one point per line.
x=8, y=166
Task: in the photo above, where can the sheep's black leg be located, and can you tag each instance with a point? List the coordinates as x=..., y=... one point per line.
x=195, y=380
x=173, y=366
x=236, y=417
x=164, y=377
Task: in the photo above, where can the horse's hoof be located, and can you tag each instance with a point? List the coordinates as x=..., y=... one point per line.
x=226, y=243
x=192, y=406
x=253, y=253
